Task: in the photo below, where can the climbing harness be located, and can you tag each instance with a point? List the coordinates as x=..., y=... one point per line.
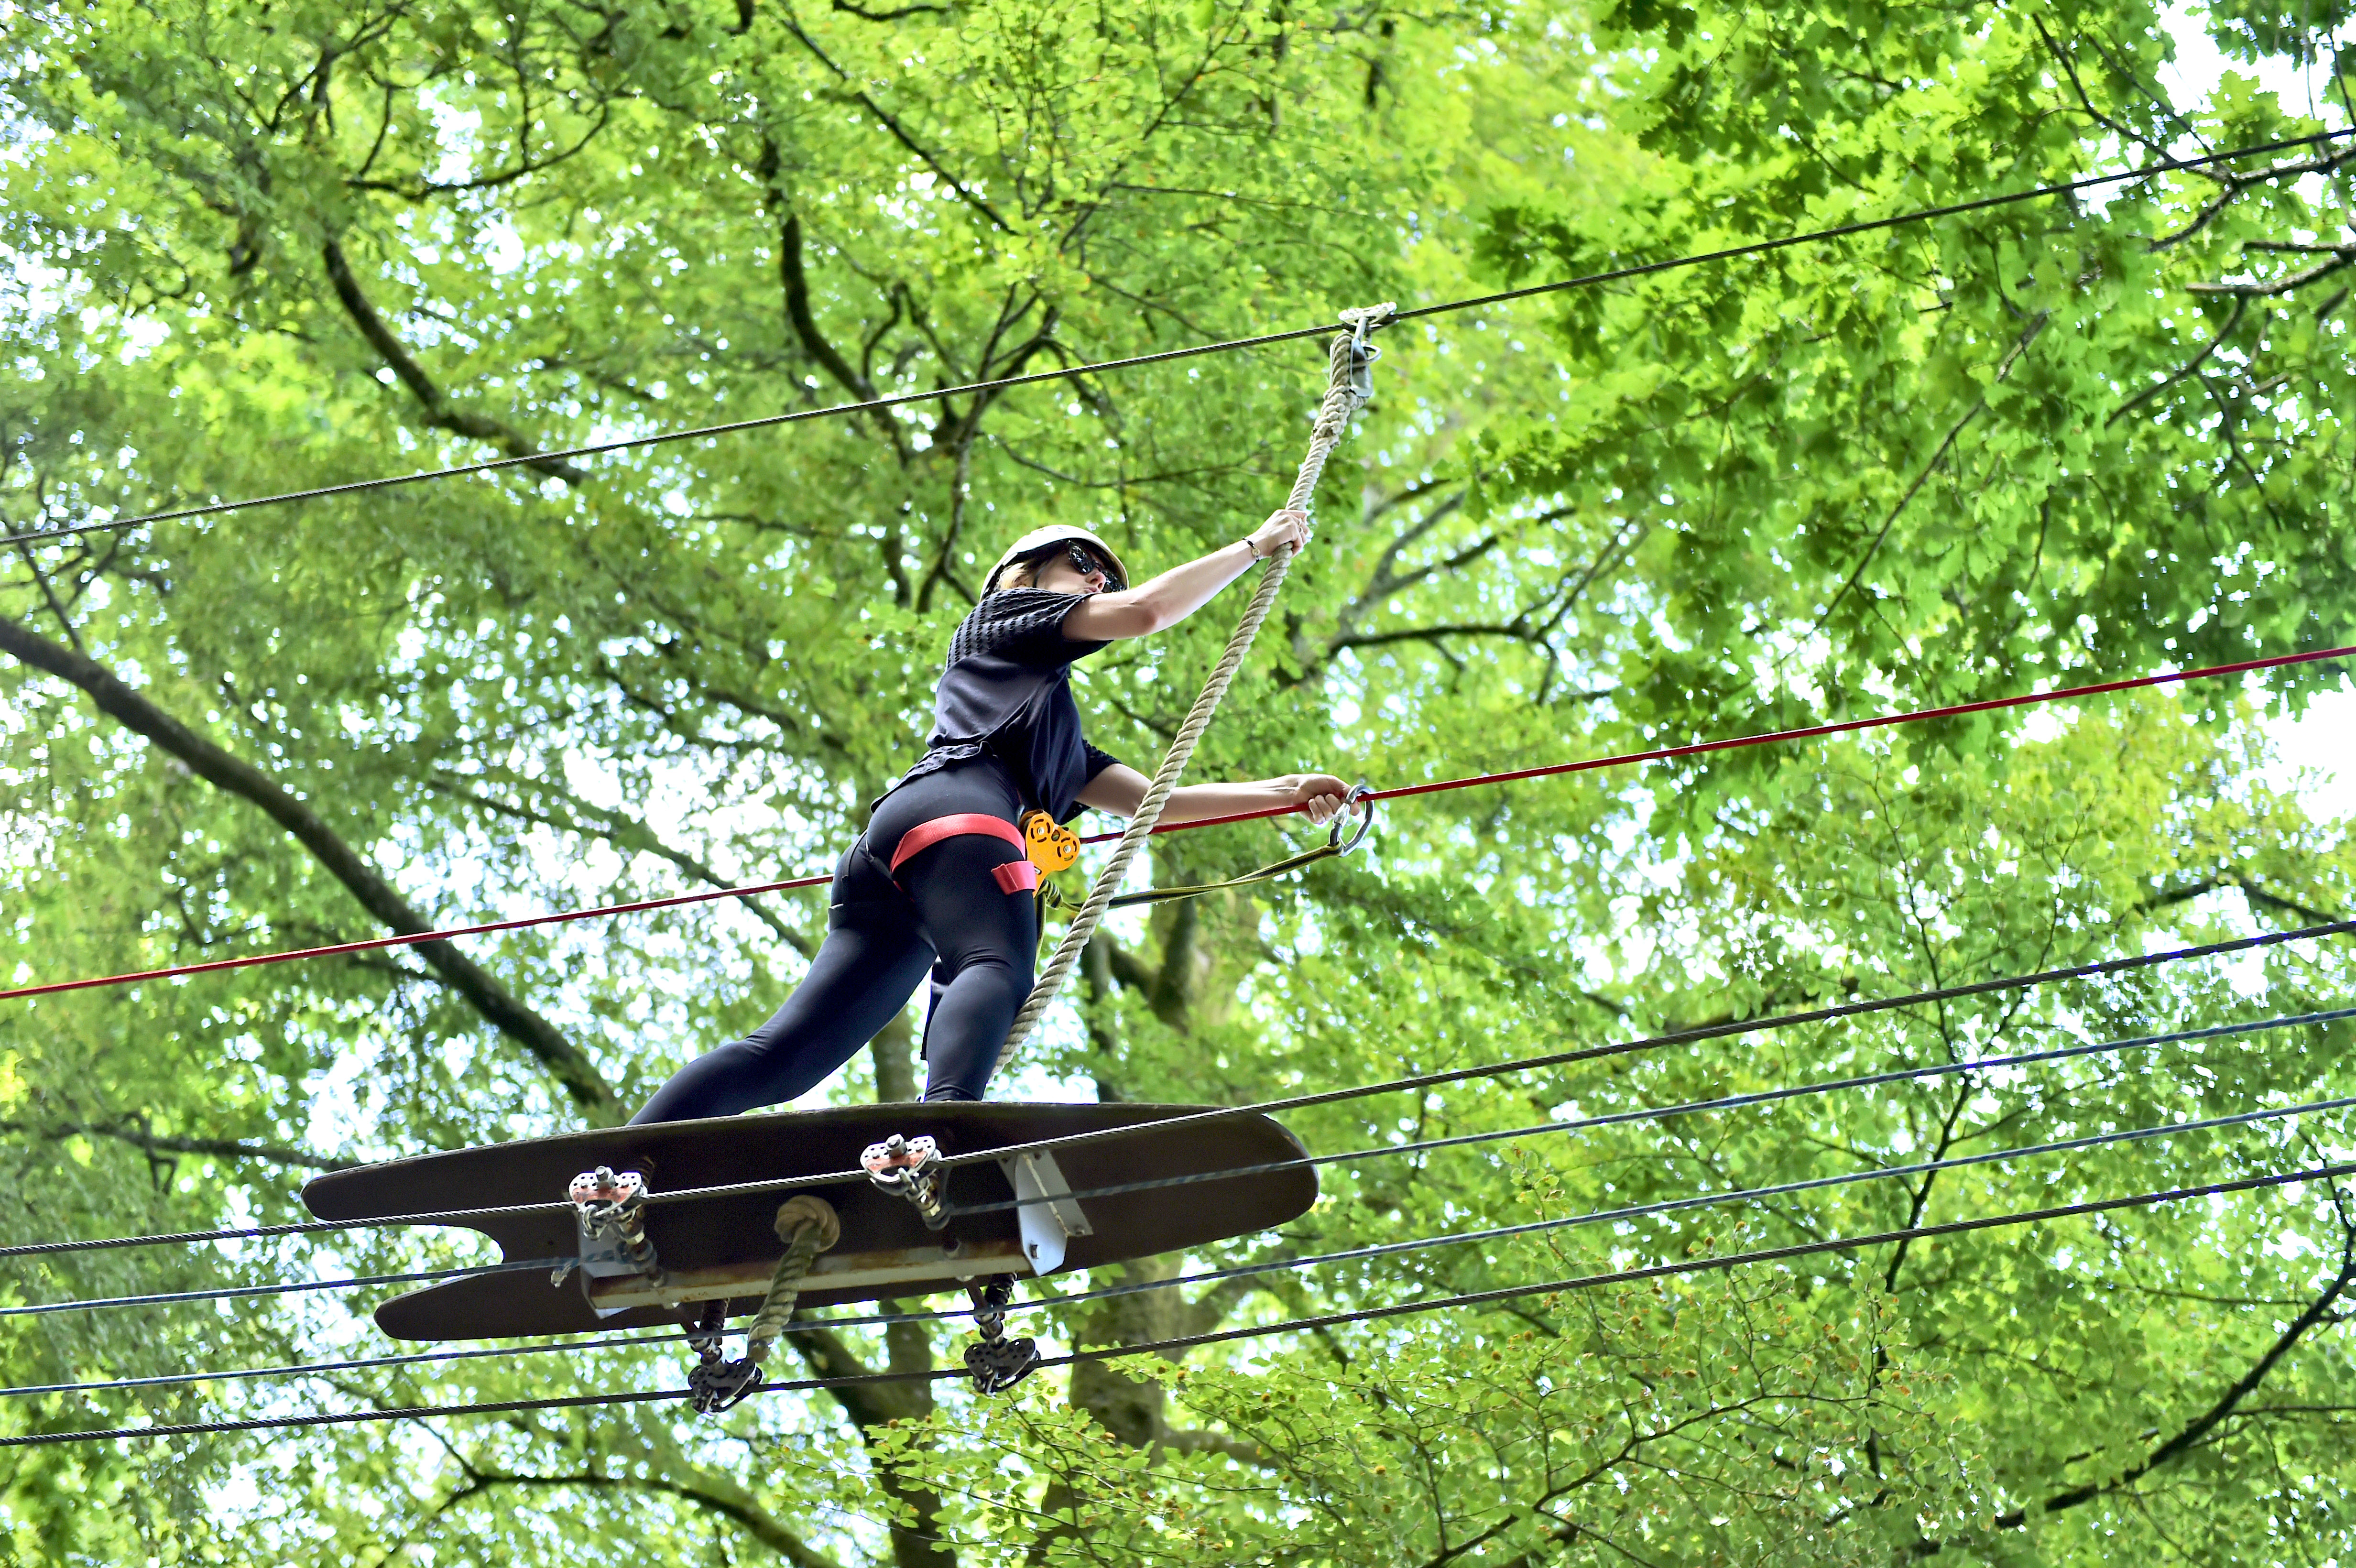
x=610, y=1212
x=1014, y=876
x=1350, y=359
x=1335, y=844
x=808, y=1226
x=997, y=1362
x=910, y=1169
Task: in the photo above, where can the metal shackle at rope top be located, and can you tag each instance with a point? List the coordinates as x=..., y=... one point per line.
x=1362, y=322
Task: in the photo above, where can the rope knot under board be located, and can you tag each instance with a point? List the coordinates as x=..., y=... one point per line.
x=808, y=1226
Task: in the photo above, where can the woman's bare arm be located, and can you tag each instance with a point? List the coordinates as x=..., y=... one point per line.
x=1121, y=789
x=1163, y=602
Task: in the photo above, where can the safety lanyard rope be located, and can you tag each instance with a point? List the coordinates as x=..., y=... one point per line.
x=1476, y=781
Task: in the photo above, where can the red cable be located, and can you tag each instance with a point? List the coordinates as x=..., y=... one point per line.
x=1845, y=727
x=377, y=942
x=1624, y=759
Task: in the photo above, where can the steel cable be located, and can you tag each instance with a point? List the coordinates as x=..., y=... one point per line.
x=1331, y=1096
x=1659, y=1042
x=240, y=1291
x=1229, y=1336
x=900, y=399
x=1605, y=1119
x=1245, y=1271
x=353, y=1364
x=1665, y=1112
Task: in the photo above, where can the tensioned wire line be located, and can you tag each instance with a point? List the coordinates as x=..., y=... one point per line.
x=1579, y=1123
x=1668, y=1113
x=1678, y=1037
x=2093, y=970
x=1244, y=1271
x=900, y=399
x=1575, y=1124
x=1589, y=764
x=1229, y=1336
x=239, y=1292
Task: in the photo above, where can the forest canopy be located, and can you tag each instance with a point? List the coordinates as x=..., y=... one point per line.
x=260, y=248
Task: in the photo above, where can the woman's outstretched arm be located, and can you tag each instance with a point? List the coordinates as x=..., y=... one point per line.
x=1121, y=789
x=1165, y=601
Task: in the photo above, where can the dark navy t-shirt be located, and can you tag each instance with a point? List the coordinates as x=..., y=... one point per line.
x=1006, y=693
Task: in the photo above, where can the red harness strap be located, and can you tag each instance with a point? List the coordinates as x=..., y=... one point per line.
x=924, y=835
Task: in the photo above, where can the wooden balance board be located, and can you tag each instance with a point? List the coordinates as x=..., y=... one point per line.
x=722, y=1249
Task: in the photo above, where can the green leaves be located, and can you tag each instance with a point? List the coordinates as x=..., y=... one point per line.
x=2031, y=445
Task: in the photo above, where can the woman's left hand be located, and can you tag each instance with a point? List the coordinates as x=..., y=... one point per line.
x=1321, y=795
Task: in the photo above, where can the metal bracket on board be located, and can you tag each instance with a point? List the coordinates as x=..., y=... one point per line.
x=1045, y=1209
x=609, y=1214
x=910, y=1169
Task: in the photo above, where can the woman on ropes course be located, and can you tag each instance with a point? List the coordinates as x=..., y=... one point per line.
x=941, y=878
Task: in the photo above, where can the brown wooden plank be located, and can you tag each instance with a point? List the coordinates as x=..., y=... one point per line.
x=885, y=1247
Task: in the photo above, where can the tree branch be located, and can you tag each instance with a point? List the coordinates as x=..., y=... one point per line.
x=439, y=414
x=2191, y=368
x=2342, y=259
x=419, y=190
x=2019, y=346
x=2231, y=186
x=891, y=16
x=875, y=1408
x=625, y=832
x=224, y=771
x=2318, y=1311
x=1242, y=1450
x=153, y=1144
x=892, y=125
x=805, y=325
x=2257, y=896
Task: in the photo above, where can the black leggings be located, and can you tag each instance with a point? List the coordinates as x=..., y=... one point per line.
x=945, y=907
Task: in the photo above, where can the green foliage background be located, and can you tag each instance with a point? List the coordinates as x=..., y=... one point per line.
x=259, y=247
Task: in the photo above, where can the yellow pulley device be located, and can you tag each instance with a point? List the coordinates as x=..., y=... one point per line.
x=1051, y=846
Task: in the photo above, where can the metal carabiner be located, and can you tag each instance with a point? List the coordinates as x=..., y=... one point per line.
x=1360, y=794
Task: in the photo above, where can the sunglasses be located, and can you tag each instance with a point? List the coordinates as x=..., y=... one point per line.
x=1086, y=560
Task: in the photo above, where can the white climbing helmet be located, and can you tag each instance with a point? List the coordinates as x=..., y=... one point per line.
x=1040, y=539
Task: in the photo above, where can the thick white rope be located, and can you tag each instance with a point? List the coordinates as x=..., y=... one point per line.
x=1341, y=400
